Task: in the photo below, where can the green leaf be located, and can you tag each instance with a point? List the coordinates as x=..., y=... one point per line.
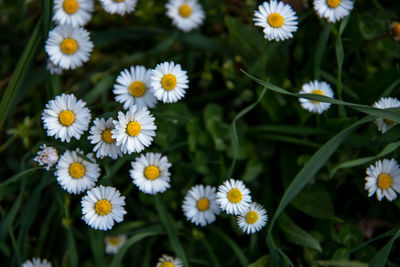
x=361, y=161
x=380, y=258
x=333, y=263
x=171, y=230
x=319, y=52
x=296, y=235
x=264, y=261
x=16, y=177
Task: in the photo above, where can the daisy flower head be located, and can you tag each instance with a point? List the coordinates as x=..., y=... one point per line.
x=333, y=10
x=168, y=261
x=68, y=47
x=101, y=137
x=200, y=205
x=317, y=88
x=47, y=156
x=133, y=88
x=169, y=82
x=279, y=20
x=185, y=14
x=150, y=172
x=53, y=69
x=75, y=174
x=120, y=7
x=102, y=206
x=383, y=179
x=385, y=125
x=36, y=262
x=134, y=130
x=114, y=243
x=253, y=219
x=233, y=197
x=66, y=117
x=74, y=12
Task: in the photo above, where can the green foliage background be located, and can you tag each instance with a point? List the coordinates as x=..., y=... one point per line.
x=307, y=170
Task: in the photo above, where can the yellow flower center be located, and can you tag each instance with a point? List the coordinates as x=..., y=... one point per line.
x=167, y=264
x=151, y=172
x=316, y=92
x=66, y=118
x=114, y=240
x=70, y=6
x=203, y=204
x=235, y=196
x=384, y=181
x=103, y=207
x=397, y=30
x=107, y=136
x=133, y=128
x=168, y=82
x=69, y=46
x=333, y=3
x=252, y=217
x=118, y=1
x=389, y=122
x=275, y=20
x=137, y=88
x=185, y=10
x=77, y=170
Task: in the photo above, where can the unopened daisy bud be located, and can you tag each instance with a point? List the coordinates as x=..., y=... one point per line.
x=75, y=174
x=47, y=156
x=168, y=261
x=278, y=20
x=200, y=205
x=74, y=12
x=169, y=82
x=383, y=179
x=233, y=197
x=119, y=7
x=114, y=243
x=385, y=125
x=333, y=10
x=394, y=30
x=53, y=69
x=150, y=173
x=102, y=206
x=66, y=117
x=36, y=262
x=317, y=88
x=186, y=15
x=253, y=219
x=68, y=47
x=101, y=136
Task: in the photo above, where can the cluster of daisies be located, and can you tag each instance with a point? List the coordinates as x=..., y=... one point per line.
x=279, y=20
x=69, y=46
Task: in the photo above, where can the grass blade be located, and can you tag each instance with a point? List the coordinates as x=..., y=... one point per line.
x=17, y=176
x=380, y=258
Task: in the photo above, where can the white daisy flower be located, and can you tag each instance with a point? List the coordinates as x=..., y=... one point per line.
x=333, y=10
x=53, y=69
x=65, y=117
x=384, y=179
x=253, y=219
x=318, y=88
x=168, y=261
x=233, y=197
x=279, y=20
x=185, y=14
x=101, y=137
x=75, y=174
x=47, y=156
x=102, y=206
x=150, y=173
x=200, y=205
x=120, y=7
x=114, y=243
x=68, y=47
x=36, y=262
x=134, y=130
x=385, y=125
x=169, y=82
x=133, y=88
x=74, y=12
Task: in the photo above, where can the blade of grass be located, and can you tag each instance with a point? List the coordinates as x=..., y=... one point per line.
x=319, y=53
x=171, y=230
x=17, y=176
x=96, y=239
x=23, y=65
x=72, y=252
x=380, y=258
